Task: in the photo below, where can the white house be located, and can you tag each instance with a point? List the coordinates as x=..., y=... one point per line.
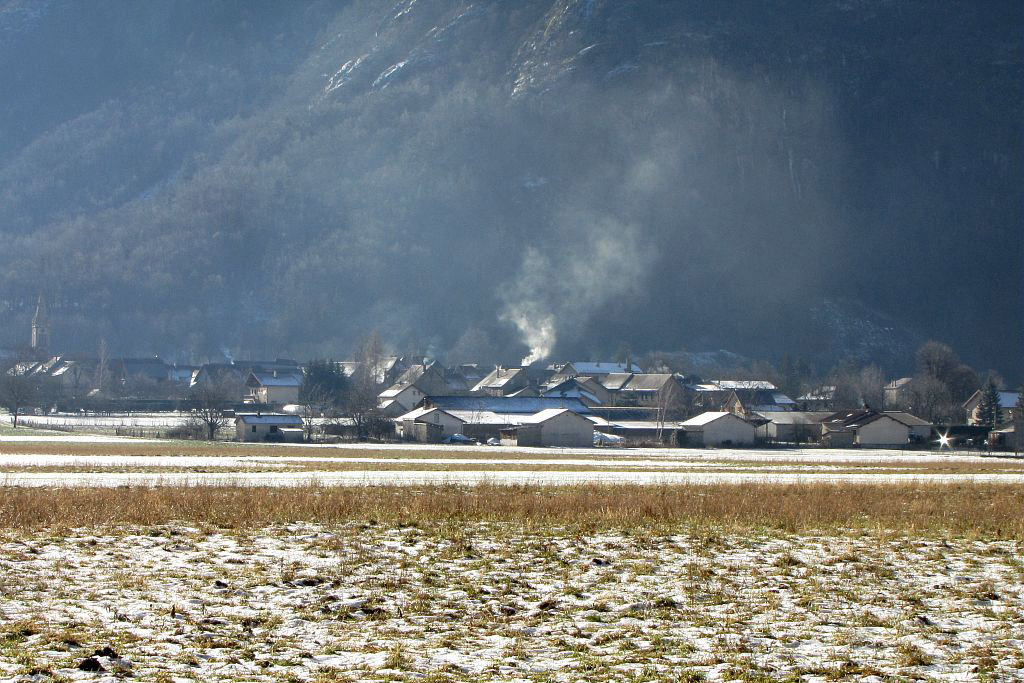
x=867, y=428
x=551, y=427
x=718, y=429
x=268, y=427
x=405, y=397
x=444, y=424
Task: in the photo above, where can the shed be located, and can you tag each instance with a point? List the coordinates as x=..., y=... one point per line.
x=551, y=427
x=443, y=423
x=268, y=427
x=718, y=428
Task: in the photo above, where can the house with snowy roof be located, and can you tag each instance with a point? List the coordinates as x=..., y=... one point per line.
x=274, y=387
x=502, y=382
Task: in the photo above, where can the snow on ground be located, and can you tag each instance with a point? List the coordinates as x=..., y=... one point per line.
x=489, y=602
x=49, y=460
x=471, y=477
x=70, y=438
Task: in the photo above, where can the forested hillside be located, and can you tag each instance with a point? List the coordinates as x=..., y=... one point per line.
x=486, y=178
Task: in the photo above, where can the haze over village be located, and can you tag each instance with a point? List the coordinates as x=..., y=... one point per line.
x=451, y=341
x=655, y=400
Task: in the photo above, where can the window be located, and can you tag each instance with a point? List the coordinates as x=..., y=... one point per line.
x=254, y=429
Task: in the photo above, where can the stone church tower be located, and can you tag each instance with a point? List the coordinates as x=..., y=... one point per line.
x=41, y=326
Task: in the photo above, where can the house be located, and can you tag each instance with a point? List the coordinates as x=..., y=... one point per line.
x=791, y=426
x=920, y=430
x=866, y=427
x=236, y=372
x=274, y=387
x=268, y=427
x=153, y=369
x=501, y=382
x=428, y=425
x=894, y=390
x=417, y=382
x=718, y=428
x=552, y=427
x=591, y=369
x=399, y=399
x=1007, y=406
x=748, y=402
x=644, y=389
x=587, y=389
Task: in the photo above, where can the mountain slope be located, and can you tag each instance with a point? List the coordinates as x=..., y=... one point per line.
x=570, y=176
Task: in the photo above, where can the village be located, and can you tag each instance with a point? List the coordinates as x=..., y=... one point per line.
x=572, y=404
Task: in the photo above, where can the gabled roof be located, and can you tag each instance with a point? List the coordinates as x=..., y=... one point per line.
x=852, y=419
x=598, y=368
x=506, y=404
x=420, y=412
x=497, y=378
x=647, y=382
x=546, y=414
x=397, y=389
x=907, y=419
x=707, y=418
x=784, y=417
x=615, y=380
x=272, y=379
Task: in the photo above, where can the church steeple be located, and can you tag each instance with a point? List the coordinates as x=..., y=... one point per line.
x=41, y=326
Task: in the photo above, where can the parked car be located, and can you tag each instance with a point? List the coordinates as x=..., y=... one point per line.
x=459, y=439
x=494, y=441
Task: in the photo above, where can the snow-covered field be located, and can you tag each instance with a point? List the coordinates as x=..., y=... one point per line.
x=83, y=460
x=492, y=602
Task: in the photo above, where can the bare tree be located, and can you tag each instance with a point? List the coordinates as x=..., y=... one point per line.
x=17, y=393
x=207, y=405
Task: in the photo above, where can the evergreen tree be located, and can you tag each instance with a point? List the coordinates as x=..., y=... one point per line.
x=988, y=407
x=324, y=384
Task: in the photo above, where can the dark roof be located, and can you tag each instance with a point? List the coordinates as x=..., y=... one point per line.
x=858, y=418
x=506, y=404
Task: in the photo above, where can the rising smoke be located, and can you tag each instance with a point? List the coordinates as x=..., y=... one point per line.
x=556, y=294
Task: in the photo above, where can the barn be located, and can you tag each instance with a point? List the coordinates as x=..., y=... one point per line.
x=550, y=427
x=718, y=429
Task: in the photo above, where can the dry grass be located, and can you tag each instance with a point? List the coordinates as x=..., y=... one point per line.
x=963, y=510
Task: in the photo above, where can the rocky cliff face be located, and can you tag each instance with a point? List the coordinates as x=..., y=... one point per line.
x=515, y=175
